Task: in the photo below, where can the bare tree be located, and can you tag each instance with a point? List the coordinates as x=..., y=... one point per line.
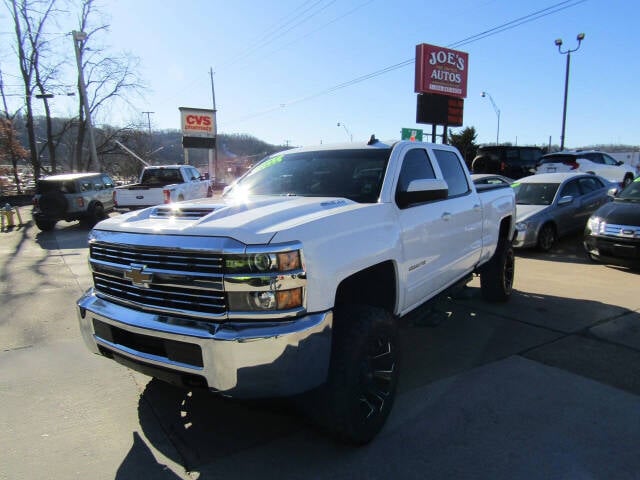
x=29, y=18
x=107, y=77
x=10, y=146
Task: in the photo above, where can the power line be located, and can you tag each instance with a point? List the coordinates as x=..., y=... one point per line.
x=326, y=24
x=278, y=34
x=479, y=36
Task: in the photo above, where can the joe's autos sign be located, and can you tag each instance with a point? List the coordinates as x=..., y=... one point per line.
x=441, y=71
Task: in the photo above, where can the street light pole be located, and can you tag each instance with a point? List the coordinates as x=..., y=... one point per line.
x=497, y=110
x=77, y=38
x=568, y=52
x=346, y=130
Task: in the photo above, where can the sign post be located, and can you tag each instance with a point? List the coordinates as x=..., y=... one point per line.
x=412, y=134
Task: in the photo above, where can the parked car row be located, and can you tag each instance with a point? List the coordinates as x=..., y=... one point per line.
x=591, y=161
x=552, y=205
x=517, y=162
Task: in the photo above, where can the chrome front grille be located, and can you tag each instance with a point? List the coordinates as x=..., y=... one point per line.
x=170, y=281
x=624, y=231
x=172, y=259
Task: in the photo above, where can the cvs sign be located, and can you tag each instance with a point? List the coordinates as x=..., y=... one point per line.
x=197, y=122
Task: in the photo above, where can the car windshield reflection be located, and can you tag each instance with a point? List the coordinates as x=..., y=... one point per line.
x=535, y=193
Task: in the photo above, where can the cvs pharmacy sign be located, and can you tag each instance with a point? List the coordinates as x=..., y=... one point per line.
x=197, y=122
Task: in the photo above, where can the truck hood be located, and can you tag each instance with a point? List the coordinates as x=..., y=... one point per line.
x=524, y=212
x=251, y=221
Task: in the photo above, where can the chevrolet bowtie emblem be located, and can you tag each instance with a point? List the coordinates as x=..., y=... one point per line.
x=138, y=276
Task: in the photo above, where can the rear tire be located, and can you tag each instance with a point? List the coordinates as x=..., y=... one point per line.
x=496, y=276
x=95, y=214
x=45, y=225
x=363, y=374
x=628, y=179
x=546, y=237
x=480, y=165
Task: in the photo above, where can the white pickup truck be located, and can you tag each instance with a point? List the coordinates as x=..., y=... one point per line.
x=296, y=278
x=163, y=184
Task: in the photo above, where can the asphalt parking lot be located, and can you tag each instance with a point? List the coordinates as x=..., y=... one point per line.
x=545, y=386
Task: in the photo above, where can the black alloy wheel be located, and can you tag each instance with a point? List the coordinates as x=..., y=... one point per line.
x=546, y=237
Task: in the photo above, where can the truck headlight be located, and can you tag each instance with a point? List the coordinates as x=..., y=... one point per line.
x=263, y=262
x=265, y=301
x=265, y=282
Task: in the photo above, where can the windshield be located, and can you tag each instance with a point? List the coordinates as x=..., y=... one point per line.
x=631, y=192
x=353, y=174
x=535, y=193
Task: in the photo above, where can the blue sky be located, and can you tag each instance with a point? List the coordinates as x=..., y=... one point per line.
x=275, y=61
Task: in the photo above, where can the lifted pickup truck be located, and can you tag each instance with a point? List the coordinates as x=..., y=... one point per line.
x=163, y=184
x=295, y=279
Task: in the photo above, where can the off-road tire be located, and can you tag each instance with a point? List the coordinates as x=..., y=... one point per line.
x=45, y=225
x=480, y=165
x=546, y=237
x=95, y=213
x=497, y=275
x=54, y=205
x=363, y=373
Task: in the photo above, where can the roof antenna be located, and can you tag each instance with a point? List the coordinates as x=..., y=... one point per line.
x=373, y=140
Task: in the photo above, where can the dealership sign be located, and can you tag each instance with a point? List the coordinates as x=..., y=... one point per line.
x=441, y=71
x=197, y=122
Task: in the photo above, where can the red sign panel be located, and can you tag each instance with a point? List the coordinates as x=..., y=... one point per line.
x=441, y=71
x=197, y=122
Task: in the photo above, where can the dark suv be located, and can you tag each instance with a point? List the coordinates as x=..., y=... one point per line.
x=509, y=161
x=72, y=196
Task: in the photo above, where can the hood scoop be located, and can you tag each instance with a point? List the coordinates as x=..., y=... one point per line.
x=189, y=213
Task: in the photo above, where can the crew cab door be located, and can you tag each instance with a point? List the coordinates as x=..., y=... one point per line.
x=196, y=188
x=440, y=238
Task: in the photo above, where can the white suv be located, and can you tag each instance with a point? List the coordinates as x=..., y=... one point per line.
x=587, y=161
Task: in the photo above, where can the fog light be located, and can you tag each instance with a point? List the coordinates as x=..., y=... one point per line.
x=264, y=300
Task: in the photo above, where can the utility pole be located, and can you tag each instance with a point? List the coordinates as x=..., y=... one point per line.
x=149, y=121
x=213, y=155
x=77, y=38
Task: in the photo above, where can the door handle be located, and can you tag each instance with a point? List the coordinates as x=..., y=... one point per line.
x=446, y=216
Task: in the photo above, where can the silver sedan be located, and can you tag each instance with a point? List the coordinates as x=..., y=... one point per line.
x=552, y=205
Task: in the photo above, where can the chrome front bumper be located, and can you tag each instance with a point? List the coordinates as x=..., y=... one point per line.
x=239, y=359
x=525, y=238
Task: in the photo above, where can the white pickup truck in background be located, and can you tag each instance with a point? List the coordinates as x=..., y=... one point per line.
x=294, y=281
x=163, y=184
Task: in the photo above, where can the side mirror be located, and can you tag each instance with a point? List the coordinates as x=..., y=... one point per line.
x=565, y=200
x=620, y=163
x=613, y=191
x=422, y=191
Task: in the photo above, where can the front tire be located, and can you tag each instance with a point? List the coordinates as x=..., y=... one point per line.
x=628, y=179
x=546, y=237
x=363, y=373
x=496, y=277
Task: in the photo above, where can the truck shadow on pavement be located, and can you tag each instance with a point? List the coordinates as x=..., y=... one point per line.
x=203, y=432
